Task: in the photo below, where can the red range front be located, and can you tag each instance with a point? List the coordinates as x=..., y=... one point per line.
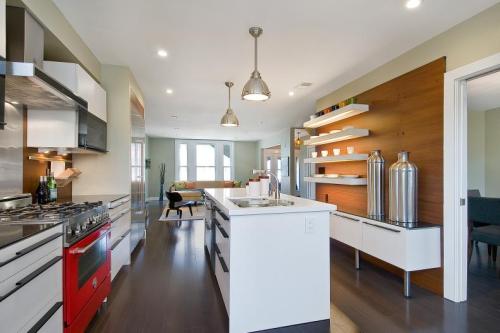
x=87, y=278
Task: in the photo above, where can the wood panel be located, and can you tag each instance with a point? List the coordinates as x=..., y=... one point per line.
x=32, y=170
x=406, y=113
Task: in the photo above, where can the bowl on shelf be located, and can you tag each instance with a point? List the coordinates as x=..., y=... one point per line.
x=314, y=154
x=324, y=153
x=332, y=175
x=336, y=151
x=350, y=150
x=349, y=176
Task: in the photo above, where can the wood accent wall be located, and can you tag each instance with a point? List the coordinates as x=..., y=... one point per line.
x=406, y=113
x=32, y=170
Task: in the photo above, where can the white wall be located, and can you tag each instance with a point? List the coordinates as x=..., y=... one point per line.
x=492, y=153
x=475, y=151
x=484, y=152
x=110, y=173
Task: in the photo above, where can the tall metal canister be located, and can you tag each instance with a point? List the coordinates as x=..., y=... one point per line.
x=403, y=190
x=376, y=185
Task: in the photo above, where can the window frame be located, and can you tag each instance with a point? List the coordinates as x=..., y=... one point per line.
x=191, y=157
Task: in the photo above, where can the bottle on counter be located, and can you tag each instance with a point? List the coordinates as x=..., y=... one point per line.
x=41, y=191
x=264, y=185
x=52, y=188
x=254, y=188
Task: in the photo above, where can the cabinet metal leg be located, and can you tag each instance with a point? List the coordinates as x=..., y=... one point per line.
x=407, y=284
x=356, y=258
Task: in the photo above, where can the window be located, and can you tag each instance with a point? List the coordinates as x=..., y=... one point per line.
x=182, y=162
x=268, y=164
x=204, y=160
x=278, y=169
x=227, y=162
x=136, y=161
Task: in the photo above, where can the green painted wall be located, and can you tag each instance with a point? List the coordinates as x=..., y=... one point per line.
x=163, y=150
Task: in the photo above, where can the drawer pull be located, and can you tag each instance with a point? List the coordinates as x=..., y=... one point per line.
x=381, y=227
x=31, y=248
x=120, y=215
x=223, y=264
x=122, y=237
x=21, y=283
x=346, y=217
x=221, y=229
x=224, y=216
x=217, y=250
x=39, y=324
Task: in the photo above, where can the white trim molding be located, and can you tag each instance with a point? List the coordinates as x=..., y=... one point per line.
x=455, y=174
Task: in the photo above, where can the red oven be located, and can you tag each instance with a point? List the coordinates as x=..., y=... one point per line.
x=87, y=278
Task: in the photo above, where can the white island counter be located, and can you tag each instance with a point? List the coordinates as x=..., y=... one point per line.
x=272, y=263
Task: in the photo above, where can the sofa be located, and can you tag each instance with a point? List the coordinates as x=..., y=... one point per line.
x=193, y=190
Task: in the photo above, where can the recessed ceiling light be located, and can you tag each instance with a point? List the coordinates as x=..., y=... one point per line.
x=291, y=93
x=412, y=4
x=173, y=116
x=169, y=91
x=162, y=53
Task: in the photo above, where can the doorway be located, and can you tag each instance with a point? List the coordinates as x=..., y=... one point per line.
x=456, y=176
x=483, y=186
x=271, y=160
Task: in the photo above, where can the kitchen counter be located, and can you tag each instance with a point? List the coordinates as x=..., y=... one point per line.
x=13, y=233
x=272, y=264
x=105, y=198
x=221, y=197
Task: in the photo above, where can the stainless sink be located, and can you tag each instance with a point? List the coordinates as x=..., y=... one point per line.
x=260, y=202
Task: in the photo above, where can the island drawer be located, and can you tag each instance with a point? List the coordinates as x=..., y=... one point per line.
x=223, y=219
x=222, y=275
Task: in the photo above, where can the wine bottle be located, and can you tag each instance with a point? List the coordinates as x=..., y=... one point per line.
x=52, y=187
x=41, y=193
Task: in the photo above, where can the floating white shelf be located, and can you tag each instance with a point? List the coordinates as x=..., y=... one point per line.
x=337, y=159
x=337, y=181
x=345, y=112
x=347, y=134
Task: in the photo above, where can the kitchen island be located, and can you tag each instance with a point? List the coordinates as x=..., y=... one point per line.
x=272, y=263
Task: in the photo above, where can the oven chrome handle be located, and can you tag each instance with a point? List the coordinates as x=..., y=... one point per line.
x=82, y=250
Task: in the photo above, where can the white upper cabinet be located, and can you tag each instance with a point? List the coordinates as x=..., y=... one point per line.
x=75, y=78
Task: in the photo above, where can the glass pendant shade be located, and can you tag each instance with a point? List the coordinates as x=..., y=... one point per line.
x=255, y=89
x=229, y=118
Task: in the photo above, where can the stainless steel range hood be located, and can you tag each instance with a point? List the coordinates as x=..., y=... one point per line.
x=25, y=81
x=26, y=84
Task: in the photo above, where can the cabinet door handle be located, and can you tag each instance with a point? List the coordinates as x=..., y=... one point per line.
x=221, y=229
x=381, y=227
x=346, y=217
x=31, y=248
x=21, y=283
x=45, y=318
x=122, y=237
x=223, y=264
x=217, y=250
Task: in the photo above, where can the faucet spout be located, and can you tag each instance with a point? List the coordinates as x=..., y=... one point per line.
x=277, y=194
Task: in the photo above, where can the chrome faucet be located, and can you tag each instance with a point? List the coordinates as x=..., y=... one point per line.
x=277, y=183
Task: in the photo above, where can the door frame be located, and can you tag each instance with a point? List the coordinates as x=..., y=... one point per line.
x=455, y=174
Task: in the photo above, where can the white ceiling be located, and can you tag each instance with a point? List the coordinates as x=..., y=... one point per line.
x=326, y=42
x=483, y=93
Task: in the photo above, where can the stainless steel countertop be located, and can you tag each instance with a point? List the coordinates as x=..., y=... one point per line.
x=418, y=225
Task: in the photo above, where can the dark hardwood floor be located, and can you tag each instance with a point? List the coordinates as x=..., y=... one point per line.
x=169, y=288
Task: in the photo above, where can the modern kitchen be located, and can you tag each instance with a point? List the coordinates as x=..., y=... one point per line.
x=141, y=192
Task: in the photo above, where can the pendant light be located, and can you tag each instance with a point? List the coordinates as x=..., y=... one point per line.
x=229, y=119
x=255, y=89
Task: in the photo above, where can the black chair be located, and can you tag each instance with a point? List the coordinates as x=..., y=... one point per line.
x=485, y=211
x=175, y=202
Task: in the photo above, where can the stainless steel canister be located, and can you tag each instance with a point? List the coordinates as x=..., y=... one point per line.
x=403, y=191
x=376, y=184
